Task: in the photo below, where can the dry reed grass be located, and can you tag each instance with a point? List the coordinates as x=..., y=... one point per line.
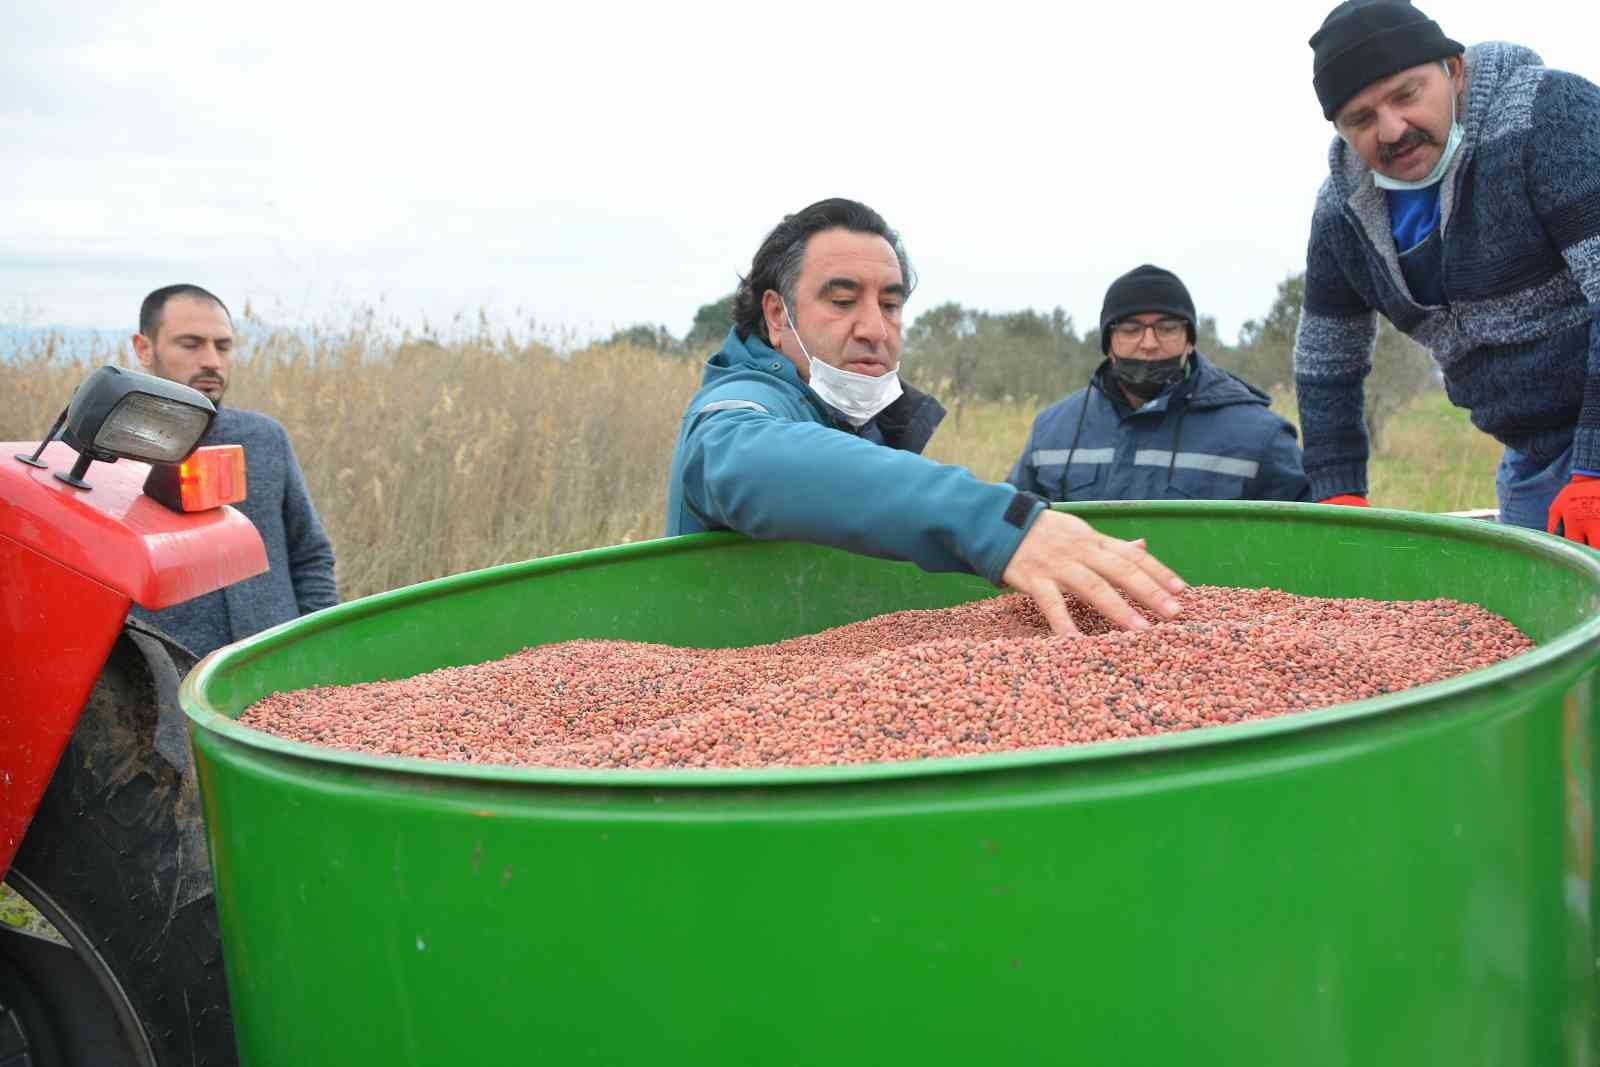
x=427, y=459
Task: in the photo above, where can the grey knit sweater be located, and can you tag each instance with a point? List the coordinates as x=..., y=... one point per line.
x=1515, y=338
x=299, y=578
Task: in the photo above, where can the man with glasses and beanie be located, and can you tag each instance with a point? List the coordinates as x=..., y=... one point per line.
x=1463, y=204
x=775, y=443
x=1158, y=420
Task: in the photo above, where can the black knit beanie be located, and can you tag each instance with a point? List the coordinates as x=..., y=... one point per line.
x=1362, y=41
x=1141, y=290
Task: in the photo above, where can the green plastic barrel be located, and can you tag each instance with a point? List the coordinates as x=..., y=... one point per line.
x=1405, y=880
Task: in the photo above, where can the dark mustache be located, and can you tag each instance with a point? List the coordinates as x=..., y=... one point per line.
x=1409, y=139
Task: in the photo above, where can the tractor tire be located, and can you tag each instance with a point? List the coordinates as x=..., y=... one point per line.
x=115, y=857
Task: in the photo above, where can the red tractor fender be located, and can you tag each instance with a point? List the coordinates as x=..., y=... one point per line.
x=72, y=561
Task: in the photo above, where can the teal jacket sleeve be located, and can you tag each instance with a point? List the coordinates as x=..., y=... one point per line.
x=770, y=477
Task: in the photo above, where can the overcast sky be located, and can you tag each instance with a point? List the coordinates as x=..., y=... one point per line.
x=593, y=165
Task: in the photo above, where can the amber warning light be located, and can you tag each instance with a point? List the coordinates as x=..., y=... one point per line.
x=209, y=478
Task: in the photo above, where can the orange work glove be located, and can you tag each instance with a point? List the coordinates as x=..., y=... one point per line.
x=1575, y=512
x=1348, y=499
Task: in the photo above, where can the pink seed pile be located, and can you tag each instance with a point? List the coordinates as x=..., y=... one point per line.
x=980, y=677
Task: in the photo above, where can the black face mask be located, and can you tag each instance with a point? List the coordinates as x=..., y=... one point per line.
x=1145, y=378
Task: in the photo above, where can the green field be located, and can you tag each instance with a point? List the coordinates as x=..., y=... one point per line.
x=1432, y=458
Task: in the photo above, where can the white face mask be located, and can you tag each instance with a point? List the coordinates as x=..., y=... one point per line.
x=1451, y=143
x=856, y=396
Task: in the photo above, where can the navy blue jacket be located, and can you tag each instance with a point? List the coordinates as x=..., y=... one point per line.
x=1209, y=437
x=1515, y=336
x=760, y=453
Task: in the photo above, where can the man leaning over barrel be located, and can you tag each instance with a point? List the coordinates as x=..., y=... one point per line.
x=787, y=437
x=1463, y=204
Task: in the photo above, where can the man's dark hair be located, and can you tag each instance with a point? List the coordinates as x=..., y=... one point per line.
x=778, y=261
x=156, y=303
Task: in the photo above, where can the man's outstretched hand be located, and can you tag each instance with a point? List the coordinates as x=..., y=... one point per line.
x=1575, y=512
x=1061, y=554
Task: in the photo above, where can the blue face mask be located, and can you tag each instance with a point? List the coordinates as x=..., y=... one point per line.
x=1451, y=143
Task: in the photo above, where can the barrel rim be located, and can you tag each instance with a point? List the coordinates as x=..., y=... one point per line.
x=1565, y=553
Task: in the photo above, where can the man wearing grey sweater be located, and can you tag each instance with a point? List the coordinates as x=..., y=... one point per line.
x=1463, y=204
x=186, y=335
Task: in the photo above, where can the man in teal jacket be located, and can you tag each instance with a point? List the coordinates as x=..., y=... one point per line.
x=790, y=436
